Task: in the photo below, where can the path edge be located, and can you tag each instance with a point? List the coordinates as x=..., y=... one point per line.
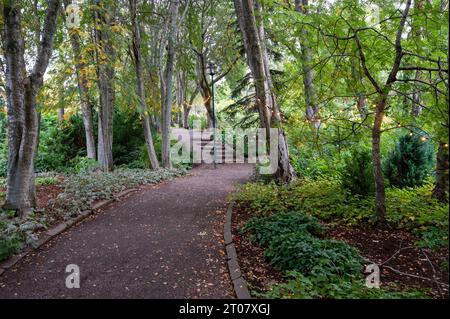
x=239, y=284
x=60, y=228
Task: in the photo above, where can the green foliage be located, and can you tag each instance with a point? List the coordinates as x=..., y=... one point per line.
x=308, y=164
x=409, y=208
x=59, y=143
x=318, y=285
x=323, y=198
x=434, y=237
x=410, y=162
x=81, y=190
x=9, y=246
x=128, y=136
x=45, y=181
x=292, y=245
x=84, y=164
x=266, y=229
x=316, y=268
x=197, y=119
x=357, y=174
x=307, y=254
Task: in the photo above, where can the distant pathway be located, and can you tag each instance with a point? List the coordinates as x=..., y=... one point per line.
x=162, y=242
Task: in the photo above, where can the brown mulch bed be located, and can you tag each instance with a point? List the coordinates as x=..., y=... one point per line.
x=44, y=194
x=402, y=261
x=257, y=272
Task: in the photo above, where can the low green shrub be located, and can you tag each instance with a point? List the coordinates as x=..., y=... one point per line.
x=412, y=209
x=357, y=174
x=320, y=286
x=302, y=252
x=292, y=245
x=45, y=181
x=84, y=164
x=9, y=246
x=266, y=229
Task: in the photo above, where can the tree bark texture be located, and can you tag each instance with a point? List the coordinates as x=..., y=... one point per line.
x=106, y=57
x=140, y=86
x=21, y=91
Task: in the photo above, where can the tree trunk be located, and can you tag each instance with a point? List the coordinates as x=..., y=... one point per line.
x=106, y=86
x=380, y=193
x=82, y=82
x=168, y=75
x=312, y=108
x=442, y=168
x=181, y=96
x=140, y=86
x=254, y=43
x=204, y=87
x=187, y=108
x=22, y=91
x=61, y=115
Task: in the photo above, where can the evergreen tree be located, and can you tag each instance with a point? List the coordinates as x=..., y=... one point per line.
x=409, y=163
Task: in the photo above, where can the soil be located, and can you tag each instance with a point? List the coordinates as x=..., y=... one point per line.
x=257, y=272
x=44, y=194
x=395, y=249
x=164, y=241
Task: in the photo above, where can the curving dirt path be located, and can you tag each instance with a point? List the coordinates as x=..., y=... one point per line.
x=162, y=242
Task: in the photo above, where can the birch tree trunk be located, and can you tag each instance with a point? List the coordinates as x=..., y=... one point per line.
x=168, y=75
x=22, y=91
x=82, y=82
x=254, y=43
x=105, y=58
x=140, y=86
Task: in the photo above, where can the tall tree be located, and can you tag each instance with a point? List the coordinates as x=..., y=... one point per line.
x=82, y=82
x=136, y=52
x=104, y=14
x=257, y=59
x=312, y=107
x=22, y=89
x=383, y=91
x=168, y=77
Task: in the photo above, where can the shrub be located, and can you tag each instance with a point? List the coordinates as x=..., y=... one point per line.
x=302, y=252
x=413, y=209
x=84, y=164
x=9, y=246
x=266, y=229
x=45, y=181
x=322, y=286
x=357, y=174
x=292, y=245
x=59, y=144
x=410, y=162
